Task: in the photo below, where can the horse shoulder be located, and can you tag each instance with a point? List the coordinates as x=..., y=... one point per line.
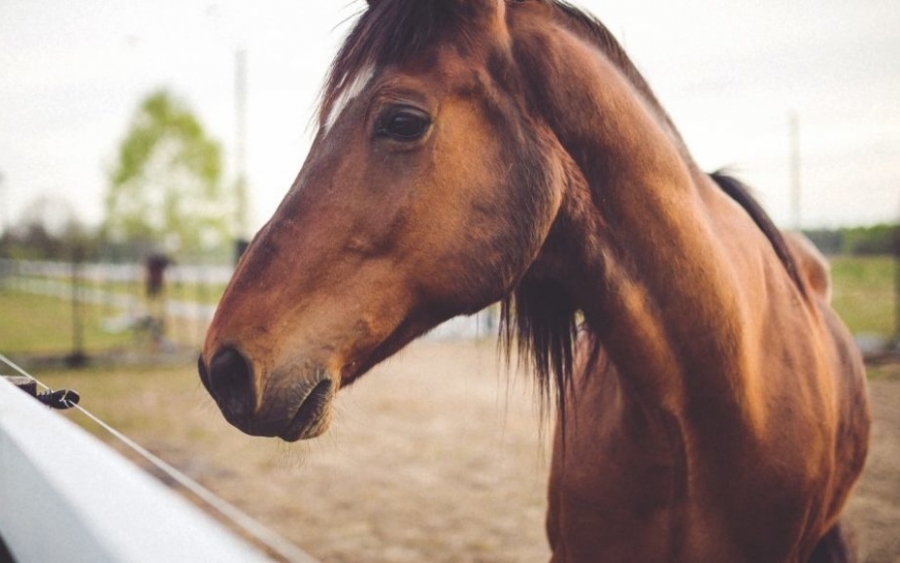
x=814, y=267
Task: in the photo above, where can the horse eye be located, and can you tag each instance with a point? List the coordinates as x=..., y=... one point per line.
x=403, y=124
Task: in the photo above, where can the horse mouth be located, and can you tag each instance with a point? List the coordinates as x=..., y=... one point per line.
x=313, y=417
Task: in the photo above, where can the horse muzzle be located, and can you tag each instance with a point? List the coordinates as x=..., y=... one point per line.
x=294, y=404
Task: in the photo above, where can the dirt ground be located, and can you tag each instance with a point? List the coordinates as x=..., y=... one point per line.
x=437, y=455
x=874, y=508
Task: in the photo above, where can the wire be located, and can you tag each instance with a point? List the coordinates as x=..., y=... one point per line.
x=21, y=371
x=241, y=520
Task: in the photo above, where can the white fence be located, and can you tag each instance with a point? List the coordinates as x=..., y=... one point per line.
x=65, y=496
x=53, y=279
x=108, y=272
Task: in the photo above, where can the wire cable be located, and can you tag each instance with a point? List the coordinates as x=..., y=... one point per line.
x=238, y=518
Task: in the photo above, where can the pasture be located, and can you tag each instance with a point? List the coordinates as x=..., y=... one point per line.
x=40, y=325
x=864, y=293
x=34, y=324
x=37, y=325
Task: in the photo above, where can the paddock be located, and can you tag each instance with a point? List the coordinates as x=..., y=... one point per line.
x=437, y=455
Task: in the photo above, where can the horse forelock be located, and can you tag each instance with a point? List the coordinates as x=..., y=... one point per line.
x=395, y=31
x=392, y=32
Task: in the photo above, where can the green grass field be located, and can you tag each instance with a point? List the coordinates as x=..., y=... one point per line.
x=39, y=325
x=36, y=324
x=864, y=293
x=33, y=324
x=198, y=293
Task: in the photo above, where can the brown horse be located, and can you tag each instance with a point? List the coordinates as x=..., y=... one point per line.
x=712, y=406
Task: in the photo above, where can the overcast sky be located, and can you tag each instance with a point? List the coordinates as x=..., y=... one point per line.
x=72, y=73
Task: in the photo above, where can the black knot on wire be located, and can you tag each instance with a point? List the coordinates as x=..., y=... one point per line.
x=59, y=399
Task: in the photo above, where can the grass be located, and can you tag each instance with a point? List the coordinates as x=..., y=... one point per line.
x=36, y=324
x=864, y=293
x=207, y=294
x=32, y=324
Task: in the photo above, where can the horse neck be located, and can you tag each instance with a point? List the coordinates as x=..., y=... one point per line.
x=650, y=273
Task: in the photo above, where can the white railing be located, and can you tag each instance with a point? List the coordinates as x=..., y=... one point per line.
x=53, y=279
x=109, y=272
x=66, y=496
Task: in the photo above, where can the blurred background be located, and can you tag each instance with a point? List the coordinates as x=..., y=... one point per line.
x=143, y=143
x=167, y=133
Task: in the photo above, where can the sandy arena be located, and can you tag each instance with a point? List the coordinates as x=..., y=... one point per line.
x=437, y=455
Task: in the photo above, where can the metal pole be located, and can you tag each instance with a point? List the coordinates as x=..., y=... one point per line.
x=240, y=95
x=795, y=186
x=4, y=205
x=4, y=241
x=77, y=358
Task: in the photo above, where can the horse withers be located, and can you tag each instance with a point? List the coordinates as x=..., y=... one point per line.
x=711, y=406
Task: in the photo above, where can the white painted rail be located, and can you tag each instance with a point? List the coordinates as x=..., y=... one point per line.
x=66, y=496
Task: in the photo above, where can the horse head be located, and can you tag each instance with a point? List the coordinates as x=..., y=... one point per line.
x=429, y=191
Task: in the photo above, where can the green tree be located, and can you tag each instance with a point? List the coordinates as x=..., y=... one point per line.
x=166, y=189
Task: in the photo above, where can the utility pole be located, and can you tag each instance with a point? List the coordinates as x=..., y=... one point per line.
x=896, y=249
x=795, y=180
x=241, y=202
x=4, y=233
x=4, y=204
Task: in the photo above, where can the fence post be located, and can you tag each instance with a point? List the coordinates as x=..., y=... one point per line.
x=77, y=358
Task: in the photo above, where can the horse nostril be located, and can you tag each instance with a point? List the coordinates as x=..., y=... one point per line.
x=230, y=382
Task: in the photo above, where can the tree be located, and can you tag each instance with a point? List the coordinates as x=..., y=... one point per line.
x=165, y=188
x=47, y=230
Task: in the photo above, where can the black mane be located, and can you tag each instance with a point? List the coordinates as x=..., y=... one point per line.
x=538, y=315
x=392, y=31
x=741, y=194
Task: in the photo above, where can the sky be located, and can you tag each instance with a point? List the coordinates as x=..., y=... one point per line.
x=730, y=74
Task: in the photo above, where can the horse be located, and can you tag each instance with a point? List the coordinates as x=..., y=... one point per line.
x=709, y=404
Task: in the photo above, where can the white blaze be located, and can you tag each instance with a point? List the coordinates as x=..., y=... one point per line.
x=360, y=81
